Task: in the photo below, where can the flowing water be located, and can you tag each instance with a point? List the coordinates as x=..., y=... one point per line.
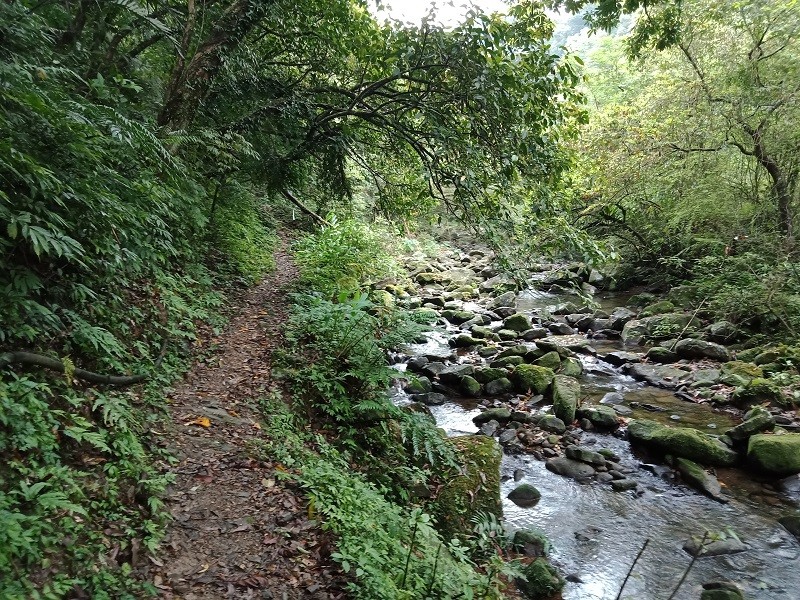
x=596, y=533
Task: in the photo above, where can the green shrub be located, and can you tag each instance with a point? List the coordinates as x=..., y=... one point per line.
x=344, y=256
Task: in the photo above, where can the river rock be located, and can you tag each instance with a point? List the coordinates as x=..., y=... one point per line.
x=453, y=374
x=517, y=323
x=431, y=398
x=571, y=367
x=585, y=323
x=419, y=385
x=504, y=312
x=683, y=442
x=662, y=376
x=417, y=363
x=758, y=391
x=475, y=490
x=531, y=542
x=657, y=327
x=550, y=345
x=697, y=477
x=612, y=398
x=659, y=354
x=723, y=332
x=484, y=333
x=508, y=436
x=624, y=485
x=470, y=386
x=487, y=374
x=496, y=387
x=518, y=350
x=534, y=333
x=776, y=454
x=691, y=348
x=551, y=360
x=755, y=421
x=552, y=424
x=498, y=285
x=561, y=328
x=502, y=415
x=506, y=361
x=541, y=581
x=525, y=495
x=658, y=308
x=505, y=299
x=458, y=317
x=729, y=545
x=602, y=417
x=465, y=341
x=532, y=377
x=566, y=395
x=620, y=358
x=620, y=316
x=587, y=455
x=489, y=428
x=740, y=373
x=568, y=467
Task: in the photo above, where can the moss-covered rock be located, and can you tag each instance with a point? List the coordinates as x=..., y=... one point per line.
x=518, y=350
x=426, y=278
x=532, y=377
x=488, y=374
x=542, y=581
x=470, y=386
x=566, y=396
x=601, y=416
x=775, y=454
x=531, y=542
x=501, y=415
x=657, y=308
x=755, y=421
x=525, y=495
x=465, y=341
x=419, y=385
x=683, y=442
x=740, y=373
x=551, y=360
x=497, y=387
x=758, y=391
x=517, y=323
x=571, y=367
x=476, y=490
x=506, y=361
x=659, y=354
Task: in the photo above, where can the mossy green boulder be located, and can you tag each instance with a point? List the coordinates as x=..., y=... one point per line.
x=566, y=396
x=470, y=386
x=542, y=581
x=488, y=374
x=657, y=308
x=475, y=491
x=532, y=377
x=517, y=323
x=775, y=454
x=759, y=390
x=571, y=367
x=551, y=360
x=740, y=373
x=682, y=441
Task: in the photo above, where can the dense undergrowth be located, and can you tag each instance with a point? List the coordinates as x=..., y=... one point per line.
x=363, y=469
x=109, y=263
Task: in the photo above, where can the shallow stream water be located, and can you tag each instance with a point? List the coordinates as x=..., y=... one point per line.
x=596, y=533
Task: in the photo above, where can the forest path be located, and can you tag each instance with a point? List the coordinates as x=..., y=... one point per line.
x=237, y=530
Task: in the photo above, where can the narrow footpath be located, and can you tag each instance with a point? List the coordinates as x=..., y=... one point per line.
x=238, y=531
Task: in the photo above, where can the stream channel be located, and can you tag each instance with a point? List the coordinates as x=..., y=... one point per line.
x=596, y=532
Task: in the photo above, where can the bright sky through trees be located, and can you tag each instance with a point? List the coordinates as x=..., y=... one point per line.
x=449, y=12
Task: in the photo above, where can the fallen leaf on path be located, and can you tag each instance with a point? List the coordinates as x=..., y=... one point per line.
x=200, y=421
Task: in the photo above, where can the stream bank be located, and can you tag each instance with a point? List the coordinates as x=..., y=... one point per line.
x=558, y=378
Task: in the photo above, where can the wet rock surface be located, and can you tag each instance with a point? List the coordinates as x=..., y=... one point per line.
x=521, y=353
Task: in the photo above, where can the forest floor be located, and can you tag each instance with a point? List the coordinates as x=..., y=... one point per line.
x=238, y=530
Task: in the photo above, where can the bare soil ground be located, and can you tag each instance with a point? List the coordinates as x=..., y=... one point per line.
x=238, y=530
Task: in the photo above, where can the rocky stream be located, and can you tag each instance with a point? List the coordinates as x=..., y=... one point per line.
x=622, y=419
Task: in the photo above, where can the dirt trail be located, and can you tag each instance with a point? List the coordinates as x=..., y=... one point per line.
x=238, y=532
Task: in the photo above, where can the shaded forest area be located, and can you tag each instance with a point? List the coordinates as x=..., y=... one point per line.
x=150, y=150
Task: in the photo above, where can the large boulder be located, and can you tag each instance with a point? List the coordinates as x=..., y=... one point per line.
x=453, y=374
x=566, y=396
x=487, y=374
x=525, y=495
x=502, y=415
x=657, y=308
x=551, y=360
x=683, y=442
x=568, y=467
x=496, y=387
x=740, y=373
x=518, y=323
x=723, y=332
x=532, y=377
x=541, y=581
x=475, y=490
x=755, y=421
x=691, y=348
x=657, y=327
x=662, y=376
x=775, y=454
x=602, y=416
